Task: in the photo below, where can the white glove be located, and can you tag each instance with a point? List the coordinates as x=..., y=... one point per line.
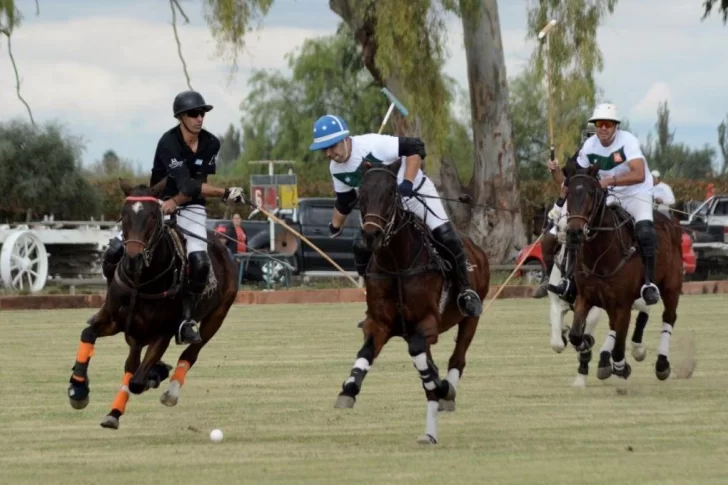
x=234, y=194
x=555, y=214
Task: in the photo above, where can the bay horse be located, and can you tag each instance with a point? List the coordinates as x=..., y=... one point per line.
x=144, y=302
x=609, y=272
x=409, y=294
x=559, y=308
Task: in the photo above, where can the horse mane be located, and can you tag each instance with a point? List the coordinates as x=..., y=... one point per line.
x=140, y=190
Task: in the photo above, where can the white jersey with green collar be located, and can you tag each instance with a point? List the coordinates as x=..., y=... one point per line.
x=374, y=148
x=613, y=160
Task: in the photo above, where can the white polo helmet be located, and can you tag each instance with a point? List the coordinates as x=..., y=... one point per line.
x=606, y=111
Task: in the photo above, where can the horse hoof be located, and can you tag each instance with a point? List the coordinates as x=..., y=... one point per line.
x=639, y=352
x=344, y=402
x=168, y=399
x=625, y=372
x=558, y=346
x=110, y=422
x=579, y=382
x=662, y=368
x=79, y=403
x=426, y=439
x=604, y=372
x=604, y=369
x=447, y=406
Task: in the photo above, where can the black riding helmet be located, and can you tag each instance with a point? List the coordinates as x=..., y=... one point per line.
x=187, y=101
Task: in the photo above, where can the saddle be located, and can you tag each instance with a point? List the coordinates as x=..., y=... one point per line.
x=623, y=217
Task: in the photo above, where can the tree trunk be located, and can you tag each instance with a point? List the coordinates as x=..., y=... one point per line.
x=494, y=181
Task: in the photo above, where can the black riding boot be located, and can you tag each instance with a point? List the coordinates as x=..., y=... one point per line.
x=647, y=238
x=468, y=300
x=188, y=332
x=112, y=256
x=361, y=260
x=549, y=243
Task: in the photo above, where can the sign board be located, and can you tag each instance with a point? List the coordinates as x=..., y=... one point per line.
x=274, y=191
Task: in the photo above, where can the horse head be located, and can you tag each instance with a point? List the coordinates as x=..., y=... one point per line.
x=142, y=221
x=379, y=203
x=585, y=199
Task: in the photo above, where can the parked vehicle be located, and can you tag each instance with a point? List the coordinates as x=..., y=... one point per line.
x=708, y=226
x=536, y=258
x=311, y=219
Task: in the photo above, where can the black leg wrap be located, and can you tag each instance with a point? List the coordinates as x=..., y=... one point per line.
x=352, y=385
x=584, y=359
x=367, y=351
x=89, y=335
x=639, y=328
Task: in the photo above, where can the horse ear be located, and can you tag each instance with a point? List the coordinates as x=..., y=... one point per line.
x=158, y=188
x=365, y=166
x=394, y=167
x=126, y=187
x=593, y=170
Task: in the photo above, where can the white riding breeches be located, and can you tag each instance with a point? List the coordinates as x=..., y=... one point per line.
x=430, y=208
x=560, y=225
x=639, y=206
x=192, y=218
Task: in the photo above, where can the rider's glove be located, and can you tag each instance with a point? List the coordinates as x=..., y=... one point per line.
x=234, y=194
x=555, y=214
x=334, y=231
x=405, y=188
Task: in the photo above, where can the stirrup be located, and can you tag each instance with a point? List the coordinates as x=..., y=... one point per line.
x=466, y=296
x=648, y=286
x=194, y=340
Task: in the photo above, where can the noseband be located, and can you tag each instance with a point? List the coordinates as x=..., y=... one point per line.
x=387, y=228
x=148, y=247
x=597, y=205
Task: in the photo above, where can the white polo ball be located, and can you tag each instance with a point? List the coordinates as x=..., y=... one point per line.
x=216, y=436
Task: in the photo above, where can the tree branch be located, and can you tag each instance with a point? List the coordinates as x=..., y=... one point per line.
x=174, y=5
x=37, y=7
x=17, y=77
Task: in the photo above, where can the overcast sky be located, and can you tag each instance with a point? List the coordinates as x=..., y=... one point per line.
x=110, y=69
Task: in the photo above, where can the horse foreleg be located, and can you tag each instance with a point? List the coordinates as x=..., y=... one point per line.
x=78, y=389
x=585, y=351
x=558, y=310
x=639, y=352
x=375, y=340
x=118, y=406
x=208, y=328
x=140, y=382
x=456, y=365
x=576, y=333
x=621, y=318
x=435, y=389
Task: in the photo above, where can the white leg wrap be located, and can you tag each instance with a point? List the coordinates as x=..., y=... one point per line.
x=453, y=376
x=619, y=365
x=362, y=363
x=431, y=426
x=665, y=334
x=420, y=361
x=609, y=342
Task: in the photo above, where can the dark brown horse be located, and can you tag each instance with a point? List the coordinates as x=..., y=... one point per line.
x=144, y=301
x=409, y=295
x=609, y=272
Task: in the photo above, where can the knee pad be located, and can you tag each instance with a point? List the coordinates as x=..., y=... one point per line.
x=646, y=234
x=199, y=270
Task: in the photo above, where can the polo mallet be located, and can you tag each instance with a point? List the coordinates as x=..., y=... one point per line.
x=394, y=102
x=544, y=35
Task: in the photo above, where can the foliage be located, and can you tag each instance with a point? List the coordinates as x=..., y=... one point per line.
x=231, y=146
x=40, y=171
x=723, y=144
x=574, y=58
x=720, y=5
x=111, y=165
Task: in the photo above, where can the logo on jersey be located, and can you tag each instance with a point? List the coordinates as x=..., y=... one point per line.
x=175, y=163
x=618, y=157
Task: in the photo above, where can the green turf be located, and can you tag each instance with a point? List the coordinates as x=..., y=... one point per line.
x=270, y=378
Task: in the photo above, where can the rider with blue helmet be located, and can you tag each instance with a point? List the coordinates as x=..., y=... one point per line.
x=331, y=135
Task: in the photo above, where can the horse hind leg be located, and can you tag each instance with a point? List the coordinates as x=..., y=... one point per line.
x=669, y=317
x=373, y=344
x=188, y=357
x=639, y=351
x=78, y=389
x=456, y=365
x=621, y=367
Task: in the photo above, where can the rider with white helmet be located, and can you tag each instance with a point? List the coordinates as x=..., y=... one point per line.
x=331, y=135
x=624, y=171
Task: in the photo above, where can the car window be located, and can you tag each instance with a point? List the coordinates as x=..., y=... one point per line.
x=721, y=208
x=319, y=215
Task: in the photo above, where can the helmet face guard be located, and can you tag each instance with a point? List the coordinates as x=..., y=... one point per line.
x=188, y=101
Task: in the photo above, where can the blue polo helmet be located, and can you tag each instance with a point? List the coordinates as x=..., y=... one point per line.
x=328, y=131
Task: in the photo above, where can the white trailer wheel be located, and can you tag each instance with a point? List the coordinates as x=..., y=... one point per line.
x=24, y=262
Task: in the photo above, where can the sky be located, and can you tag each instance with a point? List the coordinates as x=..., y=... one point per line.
x=109, y=70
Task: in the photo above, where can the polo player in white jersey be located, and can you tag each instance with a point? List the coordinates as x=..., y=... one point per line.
x=624, y=171
x=347, y=153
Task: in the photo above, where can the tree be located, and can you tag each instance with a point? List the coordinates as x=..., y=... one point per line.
x=723, y=144
x=721, y=6
x=40, y=171
x=230, y=148
x=111, y=165
x=574, y=58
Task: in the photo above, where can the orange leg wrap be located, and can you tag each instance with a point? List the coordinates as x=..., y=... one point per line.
x=181, y=372
x=123, y=395
x=83, y=356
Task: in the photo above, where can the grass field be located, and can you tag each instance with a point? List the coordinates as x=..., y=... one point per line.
x=270, y=378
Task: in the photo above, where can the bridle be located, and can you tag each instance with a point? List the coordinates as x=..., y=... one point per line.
x=148, y=247
x=597, y=209
x=388, y=229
